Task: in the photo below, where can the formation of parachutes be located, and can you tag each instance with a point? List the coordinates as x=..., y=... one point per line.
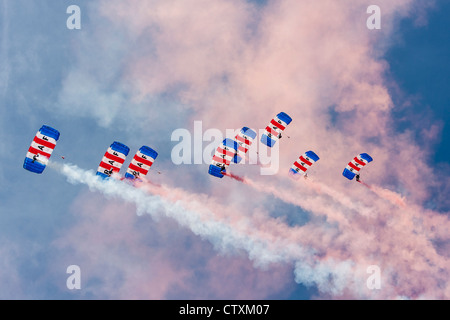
x=44, y=143
x=234, y=150
x=115, y=156
x=229, y=151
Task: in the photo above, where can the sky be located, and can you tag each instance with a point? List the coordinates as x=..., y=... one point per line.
x=140, y=72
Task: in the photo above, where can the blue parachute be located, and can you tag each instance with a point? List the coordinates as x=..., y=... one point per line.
x=141, y=163
x=41, y=149
x=113, y=159
x=276, y=126
x=303, y=163
x=222, y=158
x=353, y=167
x=244, y=140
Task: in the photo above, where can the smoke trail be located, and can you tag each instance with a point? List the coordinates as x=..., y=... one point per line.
x=235, y=177
x=318, y=205
x=388, y=228
x=389, y=195
x=331, y=256
x=264, y=246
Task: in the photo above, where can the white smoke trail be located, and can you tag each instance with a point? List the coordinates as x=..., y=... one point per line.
x=332, y=256
x=261, y=246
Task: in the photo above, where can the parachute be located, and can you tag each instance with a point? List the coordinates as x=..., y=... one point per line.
x=354, y=166
x=222, y=158
x=304, y=162
x=113, y=159
x=244, y=140
x=141, y=163
x=41, y=149
x=276, y=126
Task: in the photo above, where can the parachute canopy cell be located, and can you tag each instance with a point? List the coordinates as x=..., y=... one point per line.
x=141, y=163
x=41, y=149
x=276, y=126
x=244, y=140
x=353, y=167
x=222, y=158
x=302, y=164
x=113, y=159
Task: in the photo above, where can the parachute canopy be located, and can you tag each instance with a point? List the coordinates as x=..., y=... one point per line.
x=244, y=140
x=41, y=149
x=222, y=158
x=353, y=168
x=305, y=161
x=113, y=159
x=141, y=163
x=276, y=126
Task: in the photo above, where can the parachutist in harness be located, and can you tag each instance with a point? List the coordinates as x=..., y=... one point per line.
x=357, y=177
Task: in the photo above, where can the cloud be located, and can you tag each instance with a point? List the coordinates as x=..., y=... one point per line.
x=117, y=259
x=331, y=255
x=236, y=63
x=125, y=256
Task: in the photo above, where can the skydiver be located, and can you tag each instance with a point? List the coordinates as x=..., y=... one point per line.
x=357, y=177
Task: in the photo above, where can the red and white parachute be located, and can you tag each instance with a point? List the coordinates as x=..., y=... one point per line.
x=41, y=149
x=244, y=140
x=354, y=166
x=113, y=159
x=141, y=163
x=274, y=129
x=222, y=158
x=303, y=163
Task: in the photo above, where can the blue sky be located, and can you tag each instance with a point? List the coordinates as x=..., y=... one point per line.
x=419, y=64
x=45, y=67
